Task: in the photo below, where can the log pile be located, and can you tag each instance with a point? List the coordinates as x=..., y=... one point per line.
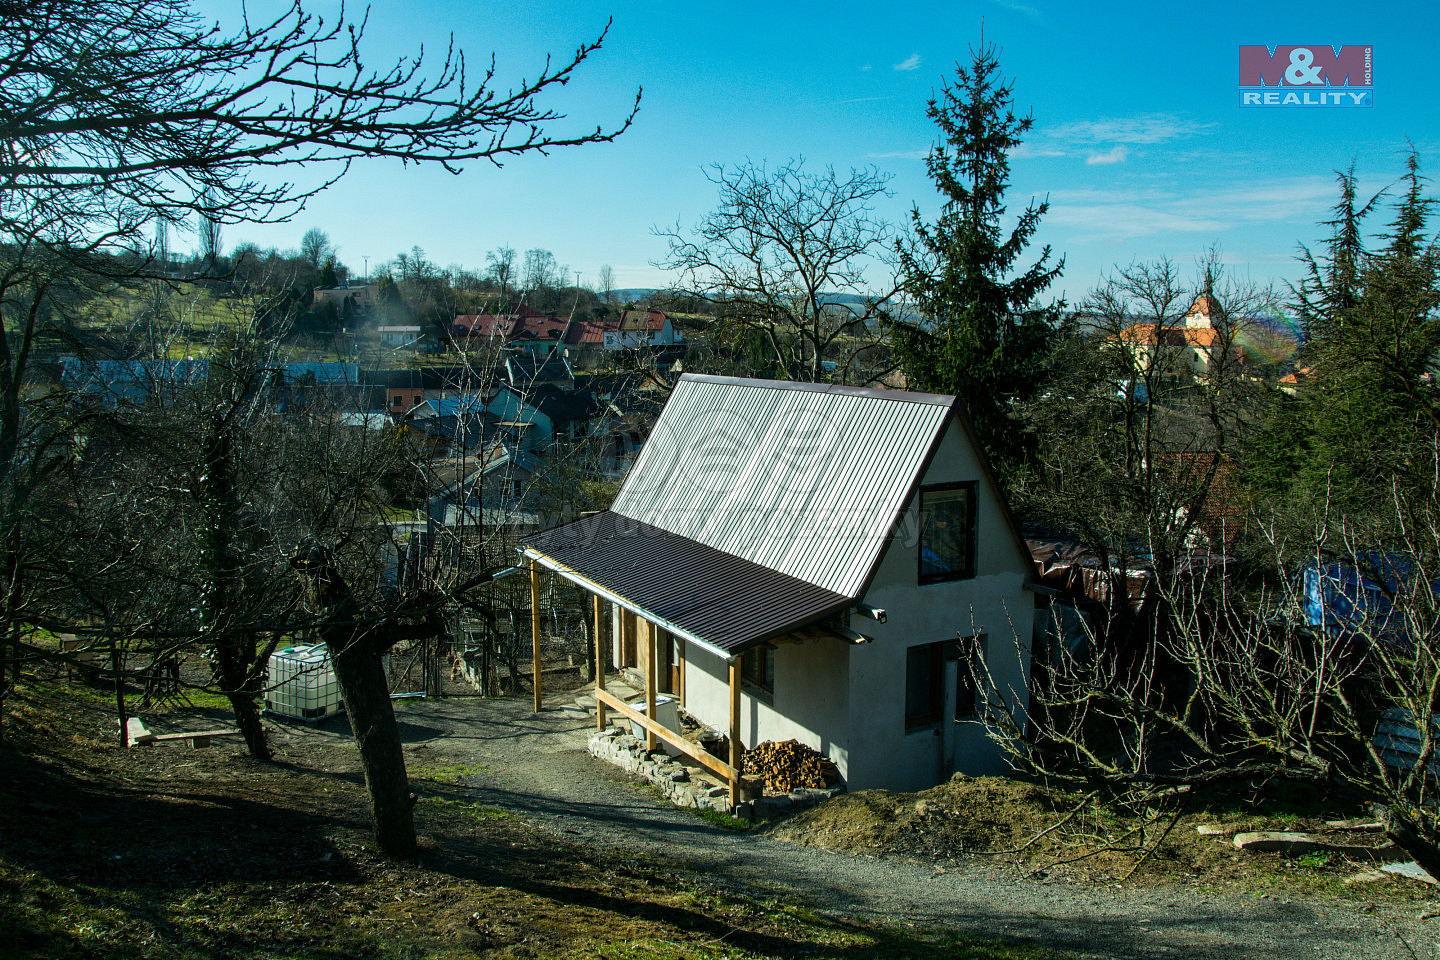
x=788, y=766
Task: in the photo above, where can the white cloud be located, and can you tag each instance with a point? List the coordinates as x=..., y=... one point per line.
x=1121, y=214
x=1115, y=154
x=1028, y=151
x=1142, y=129
x=1021, y=8
x=899, y=155
x=911, y=62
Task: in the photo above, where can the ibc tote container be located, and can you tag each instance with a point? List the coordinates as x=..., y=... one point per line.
x=302, y=683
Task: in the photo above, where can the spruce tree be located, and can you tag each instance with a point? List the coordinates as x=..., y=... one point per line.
x=981, y=333
x=1371, y=410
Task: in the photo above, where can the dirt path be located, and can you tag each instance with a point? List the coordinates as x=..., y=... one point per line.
x=536, y=766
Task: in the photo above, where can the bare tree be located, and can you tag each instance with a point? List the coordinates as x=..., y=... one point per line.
x=1139, y=435
x=115, y=114
x=501, y=264
x=606, y=282
x=797, y=268
x=1328, y=676
x=315, y=246
x=539, y=271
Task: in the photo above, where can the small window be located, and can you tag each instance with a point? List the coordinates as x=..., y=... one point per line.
x=757, y=667
x=970, y=653
x=924, y=668
x=947, y=532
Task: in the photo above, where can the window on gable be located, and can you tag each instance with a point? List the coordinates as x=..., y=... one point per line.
x=757, y=667
x=947, y=532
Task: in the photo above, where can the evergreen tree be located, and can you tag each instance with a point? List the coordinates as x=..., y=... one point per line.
x=1369, y=413
x=329, y=279
x=982, y=335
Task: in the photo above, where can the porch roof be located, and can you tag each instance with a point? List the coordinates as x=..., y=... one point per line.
x=726, y=602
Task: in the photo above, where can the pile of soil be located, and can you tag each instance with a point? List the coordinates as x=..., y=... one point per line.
x=1051, y=832
x=966, y=815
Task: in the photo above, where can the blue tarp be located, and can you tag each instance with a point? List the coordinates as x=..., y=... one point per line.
x=1358, y=595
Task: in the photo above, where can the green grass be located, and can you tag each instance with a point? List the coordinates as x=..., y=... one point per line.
x=449, y=773
x=724, y=820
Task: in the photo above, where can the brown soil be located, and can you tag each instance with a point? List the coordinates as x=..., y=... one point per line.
x=172, y=852
x=1040, y=831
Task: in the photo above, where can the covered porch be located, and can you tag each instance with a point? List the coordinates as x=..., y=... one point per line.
x=668, y=599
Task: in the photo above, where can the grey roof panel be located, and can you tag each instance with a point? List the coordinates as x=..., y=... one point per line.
x=805, y=479
x=728, y=601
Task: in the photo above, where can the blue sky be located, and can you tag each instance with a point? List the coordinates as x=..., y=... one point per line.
x=1138, y=140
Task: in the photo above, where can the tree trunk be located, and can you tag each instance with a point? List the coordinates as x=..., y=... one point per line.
x=1408, y=837
x=243, y=693
x=247, y=718
x=372, y=719
x=355, y=656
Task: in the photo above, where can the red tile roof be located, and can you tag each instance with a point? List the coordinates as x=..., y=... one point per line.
x=1145, y=334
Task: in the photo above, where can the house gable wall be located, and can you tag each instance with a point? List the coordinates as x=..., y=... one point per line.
x=848, y=701
x=995, y=603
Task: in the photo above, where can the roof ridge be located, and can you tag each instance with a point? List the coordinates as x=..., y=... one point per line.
x=879, y=393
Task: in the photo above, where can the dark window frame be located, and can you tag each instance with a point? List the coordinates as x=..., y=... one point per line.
x=757, y=669
x=971, y=666
x=926, y=716
x=967, y=571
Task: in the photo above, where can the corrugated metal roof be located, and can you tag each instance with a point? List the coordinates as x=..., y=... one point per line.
x=803, y=479
x=729, y=602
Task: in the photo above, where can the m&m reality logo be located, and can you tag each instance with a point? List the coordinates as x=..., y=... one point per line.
x=1317, y=75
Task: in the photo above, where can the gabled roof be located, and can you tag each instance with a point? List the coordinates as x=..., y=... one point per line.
x=648, y=320
x=591, y=331
x=1149, y=334
x=321, y=374
x=521, y=371
x=793, y=488
x=528, y=326
x=564, y=405
x=484, y=324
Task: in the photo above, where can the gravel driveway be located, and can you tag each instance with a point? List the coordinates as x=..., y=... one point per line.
x=536, y=766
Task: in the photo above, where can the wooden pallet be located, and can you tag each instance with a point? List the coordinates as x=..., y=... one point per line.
x=137, y=736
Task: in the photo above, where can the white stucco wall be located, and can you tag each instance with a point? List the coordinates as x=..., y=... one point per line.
x=810, y=702
x=995, y=603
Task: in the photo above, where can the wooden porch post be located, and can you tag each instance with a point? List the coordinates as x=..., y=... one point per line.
x=628, y=655
x=680, y=648
x=535, y=630
x=649, y=630
x=600, y=664
x=735, y=729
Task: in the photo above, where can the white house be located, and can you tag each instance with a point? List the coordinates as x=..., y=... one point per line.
x=641, y=328
x=813, y=562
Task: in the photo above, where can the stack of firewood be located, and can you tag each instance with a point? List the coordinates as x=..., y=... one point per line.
x=787, y=766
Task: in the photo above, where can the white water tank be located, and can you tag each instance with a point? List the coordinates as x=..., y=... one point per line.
x=302, y=683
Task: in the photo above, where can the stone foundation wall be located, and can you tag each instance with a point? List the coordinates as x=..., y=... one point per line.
x=673, y=780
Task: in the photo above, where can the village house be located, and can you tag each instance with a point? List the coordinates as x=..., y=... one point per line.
x=362, y=297
x=640, y=328
x=816, y=562
x=1193, y=346
x=542, y=335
